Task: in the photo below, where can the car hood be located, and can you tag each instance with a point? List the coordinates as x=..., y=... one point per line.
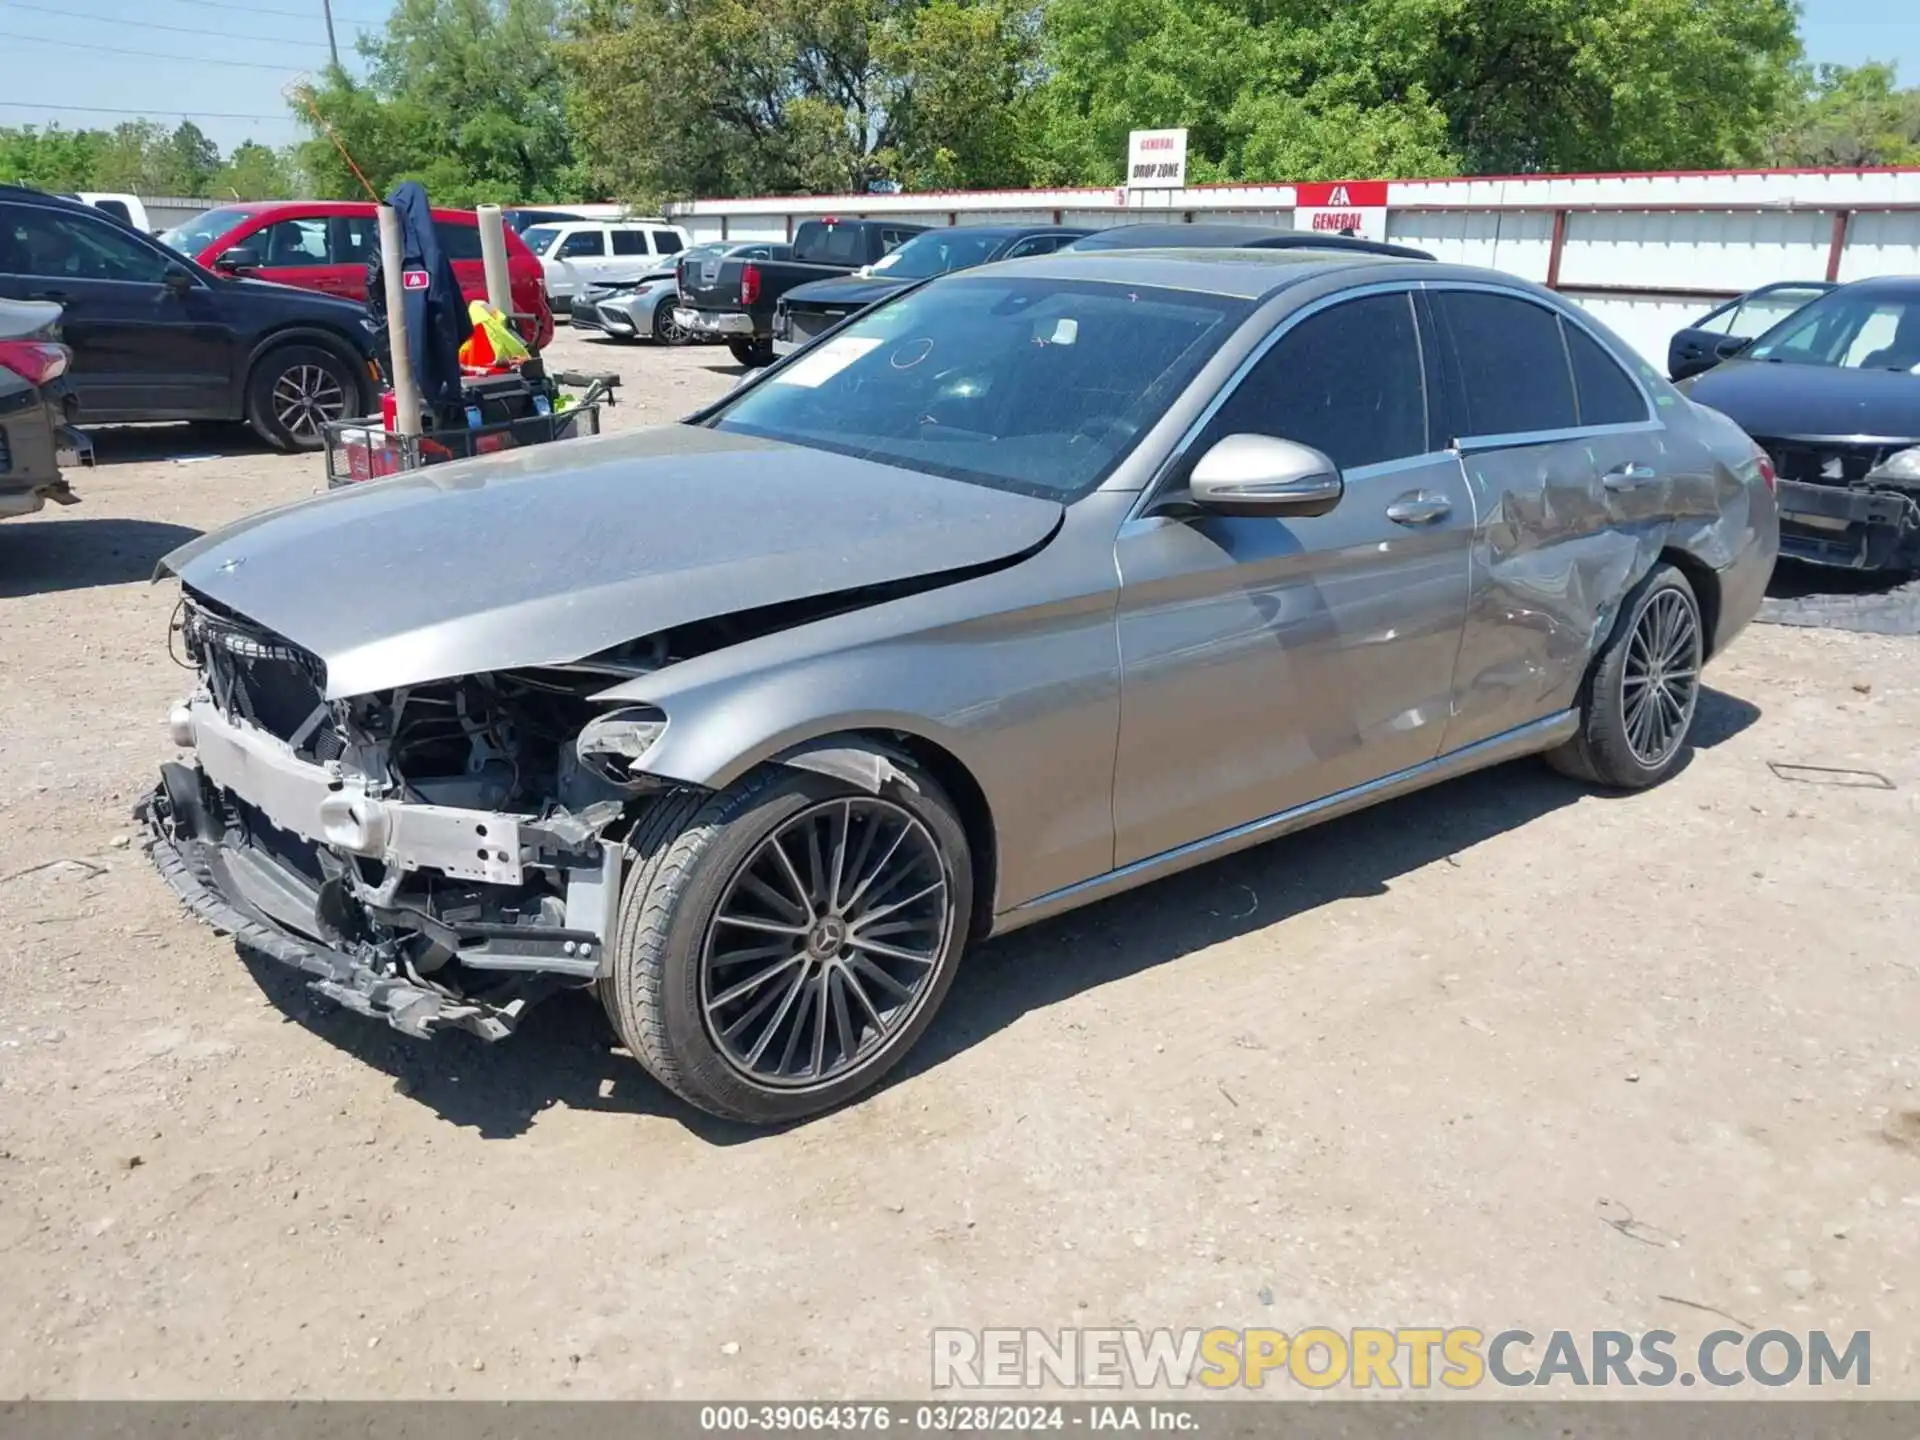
x=843, y=290
x=1784, y=402
x=547, y=556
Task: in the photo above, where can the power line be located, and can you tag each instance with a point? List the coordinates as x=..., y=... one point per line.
x=290, y=14
x=112, y=110
x=145, y=54
x=176, y=29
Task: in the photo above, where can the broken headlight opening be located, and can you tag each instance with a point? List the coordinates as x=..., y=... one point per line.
x=439, y=855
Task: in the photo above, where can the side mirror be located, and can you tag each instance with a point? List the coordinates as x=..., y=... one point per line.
x=178, y=279
x=1731, y=346
x=1262, y=475
x=238, y=260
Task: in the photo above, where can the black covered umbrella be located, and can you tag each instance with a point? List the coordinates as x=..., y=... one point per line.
x=436, y=311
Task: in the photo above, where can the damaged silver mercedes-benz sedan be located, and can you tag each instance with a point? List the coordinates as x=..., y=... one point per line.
x=1025, y=587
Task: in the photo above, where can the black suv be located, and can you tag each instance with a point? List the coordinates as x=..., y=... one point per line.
x=156, y=337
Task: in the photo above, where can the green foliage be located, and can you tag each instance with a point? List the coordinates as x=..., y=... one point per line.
x=254, y=172
x=142, y=157
x=1852, y=116
x=717, y=97
x=657, y=100
x=52, y=158
x=465, y=96
x=1321, y=89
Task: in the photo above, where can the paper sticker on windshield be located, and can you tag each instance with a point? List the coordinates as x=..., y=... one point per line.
x=821, y=365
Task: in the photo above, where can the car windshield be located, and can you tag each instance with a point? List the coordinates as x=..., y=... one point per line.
x=190, y=237
x=935, y=253
x=1036, y=386
x=538, y=238
x=1848, y=329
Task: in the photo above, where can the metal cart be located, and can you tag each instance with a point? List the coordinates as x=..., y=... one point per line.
x=506, y=414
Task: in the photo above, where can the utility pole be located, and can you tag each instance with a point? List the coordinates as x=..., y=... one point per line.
x=333, y=46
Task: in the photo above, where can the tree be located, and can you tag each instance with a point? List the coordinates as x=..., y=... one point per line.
x=1320, y=89
x=1851, y=116
x=254, y=172
x=184, y=163
x=465, y=96
x=50, y=159
x=729, y=97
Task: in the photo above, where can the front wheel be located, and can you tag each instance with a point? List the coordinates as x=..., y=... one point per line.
x=295, y=391
x=784, y=943
x=666, y=329
x=754, y=354
x=1643, y=690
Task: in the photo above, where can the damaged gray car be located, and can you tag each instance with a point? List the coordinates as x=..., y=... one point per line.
x=1034, y=584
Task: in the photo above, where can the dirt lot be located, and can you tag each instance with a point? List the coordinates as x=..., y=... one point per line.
x=1505, y=1054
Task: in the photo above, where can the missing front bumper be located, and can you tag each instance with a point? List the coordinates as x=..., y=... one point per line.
x=426, y=916
x=1855, y=528
x=193, y=869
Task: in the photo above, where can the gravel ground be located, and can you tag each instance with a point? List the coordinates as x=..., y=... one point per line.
x=1503, y=1054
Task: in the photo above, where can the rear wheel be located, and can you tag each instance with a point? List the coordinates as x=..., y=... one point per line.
x=295, y=390
x=752, y=353
x=1643, y=691
x=784, y=943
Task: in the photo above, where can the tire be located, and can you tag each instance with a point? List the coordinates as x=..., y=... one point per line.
x=696, y=858
x=1643, y=690
x=292, y=387
x=753, y=354
x=666, y=330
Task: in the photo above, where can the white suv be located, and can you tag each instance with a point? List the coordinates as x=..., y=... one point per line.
x=577, y=254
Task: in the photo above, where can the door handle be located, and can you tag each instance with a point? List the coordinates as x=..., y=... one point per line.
x=59, y=297
x=1630, y=476
x=1418, y=509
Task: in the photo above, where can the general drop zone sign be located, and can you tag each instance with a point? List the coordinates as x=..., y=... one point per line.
x=1157, y=160
x=1356, y=205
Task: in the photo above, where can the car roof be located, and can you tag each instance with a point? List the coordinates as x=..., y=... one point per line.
x=1149, y=234
x=1238, y=274
x=1902, y=285
x=1005, y=232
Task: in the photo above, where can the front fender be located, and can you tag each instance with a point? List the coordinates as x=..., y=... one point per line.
x=1014, y=674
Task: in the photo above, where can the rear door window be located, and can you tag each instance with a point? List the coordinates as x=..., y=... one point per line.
x=60, y=245
x=457, y=241
x=1347, y=380
x=629, y=242
x=1510, y=363
x=1606, y=393
x=355, y=239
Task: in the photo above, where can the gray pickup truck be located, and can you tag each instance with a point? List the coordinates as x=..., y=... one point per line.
x=734, y=299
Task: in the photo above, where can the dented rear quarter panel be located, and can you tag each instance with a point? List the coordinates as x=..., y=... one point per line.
x=1557, y=552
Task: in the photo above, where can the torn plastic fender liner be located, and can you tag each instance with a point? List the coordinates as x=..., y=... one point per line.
x=869, y=769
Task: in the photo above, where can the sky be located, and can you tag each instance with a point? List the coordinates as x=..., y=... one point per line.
x=225, y=63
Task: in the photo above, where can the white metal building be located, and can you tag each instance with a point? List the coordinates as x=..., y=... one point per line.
x=1644, y=252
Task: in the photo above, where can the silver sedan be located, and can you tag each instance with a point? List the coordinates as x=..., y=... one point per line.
x=1031, y=585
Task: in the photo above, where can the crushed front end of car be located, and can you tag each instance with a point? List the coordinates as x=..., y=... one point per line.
x=1849, y=503
x=439, y=855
